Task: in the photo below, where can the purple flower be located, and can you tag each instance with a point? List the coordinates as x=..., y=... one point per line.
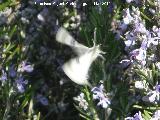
x=130, y=40
x=104, y=102
x=156, y=30
x=127, y=18
x=156, y=115
x=140, y=28
x=137, y=116
x=158, y=88
x=99, y=94
x=3, y=77
x=118, y=35
x=144, y=44
x=122, y=27
x=12, y=72
x=111, y=7
x=153, y=96
x=152, y=40
x=150, y=97
x=43, y=100
x=25, y=67
x=20, y=83
x=139, y=54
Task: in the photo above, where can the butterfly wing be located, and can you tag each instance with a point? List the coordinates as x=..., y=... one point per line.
x=77, y=70
x=64, y=37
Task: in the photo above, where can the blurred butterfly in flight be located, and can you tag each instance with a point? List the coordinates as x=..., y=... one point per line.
x=77, y=68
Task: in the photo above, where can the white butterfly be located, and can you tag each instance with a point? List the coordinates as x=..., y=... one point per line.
x=77, y=68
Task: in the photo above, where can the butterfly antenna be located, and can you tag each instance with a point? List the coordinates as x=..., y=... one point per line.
x=94, y=41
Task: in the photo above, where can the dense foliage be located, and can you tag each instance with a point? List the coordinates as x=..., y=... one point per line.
x=125, y=81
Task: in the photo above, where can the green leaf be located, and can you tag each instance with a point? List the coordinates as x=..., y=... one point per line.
x=4, y=5
x=25, y=102
x=146, y=115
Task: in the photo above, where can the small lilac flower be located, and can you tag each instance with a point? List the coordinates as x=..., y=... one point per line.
x=98, y=91
x=99, y=94
x=137, y=116
x=127, y=18
x=139, y=54
x=118, y=35
x=3, y=77
x=156, y=115
x=111, y=7
x=25, y=67
x=158, y=65
x=129, y=43
x=12, y=72
x=158, y=33
x=104, y=102
x=153, y=39
x=122, y=27
x=144, y=44
x=43, y=100
x=150, y=97
x=20, y=83
x=134, y=53
x=130, y=40
x=156, y=30
x=140, y=28
x=82, y=102
x=153, y=96
x=158, y=88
